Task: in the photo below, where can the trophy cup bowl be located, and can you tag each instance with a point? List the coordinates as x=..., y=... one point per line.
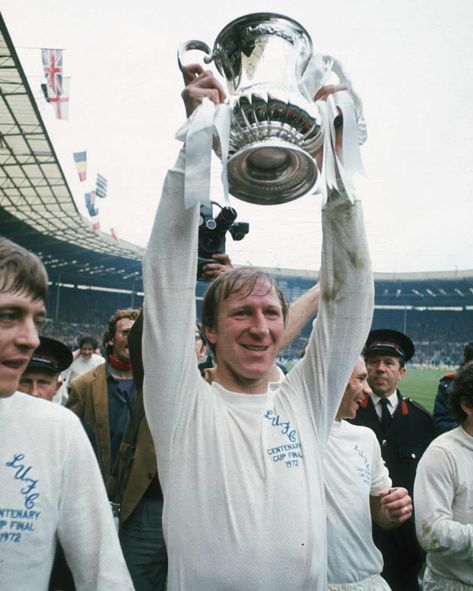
x=275, y=130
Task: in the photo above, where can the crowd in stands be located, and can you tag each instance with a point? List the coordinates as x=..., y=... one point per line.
x=439, y=336
x=437, y=343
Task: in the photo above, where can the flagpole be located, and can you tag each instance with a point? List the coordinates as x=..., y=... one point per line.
x=36, y=48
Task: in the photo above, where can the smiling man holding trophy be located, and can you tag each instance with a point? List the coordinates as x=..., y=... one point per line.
x=240, y=461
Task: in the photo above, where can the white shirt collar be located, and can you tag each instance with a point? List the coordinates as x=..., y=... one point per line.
x=393, y=402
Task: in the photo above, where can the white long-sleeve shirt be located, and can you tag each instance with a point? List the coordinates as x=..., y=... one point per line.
x=242, y=474
x=354, y=472
x=443, y=500
x=51, y=489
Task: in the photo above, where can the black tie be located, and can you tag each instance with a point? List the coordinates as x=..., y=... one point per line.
x=385, y=414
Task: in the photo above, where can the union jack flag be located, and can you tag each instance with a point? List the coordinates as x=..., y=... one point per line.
x=52, y=66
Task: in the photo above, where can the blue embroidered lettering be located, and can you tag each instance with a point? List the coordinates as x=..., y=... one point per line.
x=21, y=474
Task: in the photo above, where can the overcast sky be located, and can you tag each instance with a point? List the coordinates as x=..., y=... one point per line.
x=410, y=60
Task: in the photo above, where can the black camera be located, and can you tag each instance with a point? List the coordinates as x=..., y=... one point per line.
x=213, y=230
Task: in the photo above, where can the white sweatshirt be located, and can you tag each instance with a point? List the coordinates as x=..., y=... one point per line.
x=443, y=501
x=354, y=472
x=242, y=474
x=51, y=488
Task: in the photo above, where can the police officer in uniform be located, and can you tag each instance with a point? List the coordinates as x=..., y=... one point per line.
x=404, y=430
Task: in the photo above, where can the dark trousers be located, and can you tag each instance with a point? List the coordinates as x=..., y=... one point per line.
x=142, y=542
x=61, y=576
x=403, y=557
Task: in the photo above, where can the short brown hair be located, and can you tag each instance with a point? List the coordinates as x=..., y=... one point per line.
x=460, y=391
x=21, y=271
x=234, y=281
x=109, y=333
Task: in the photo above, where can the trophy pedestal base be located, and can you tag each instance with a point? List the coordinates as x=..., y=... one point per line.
x=271, y=172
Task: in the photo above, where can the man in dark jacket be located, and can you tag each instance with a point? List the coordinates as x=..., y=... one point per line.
x=404, y=430
x=443, y=417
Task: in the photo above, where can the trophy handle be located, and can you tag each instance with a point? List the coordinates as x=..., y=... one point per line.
x=193, y=44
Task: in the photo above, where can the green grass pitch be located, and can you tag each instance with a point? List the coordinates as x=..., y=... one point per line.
x=420, y=384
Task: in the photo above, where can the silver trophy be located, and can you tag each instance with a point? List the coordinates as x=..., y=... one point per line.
x=275, y=130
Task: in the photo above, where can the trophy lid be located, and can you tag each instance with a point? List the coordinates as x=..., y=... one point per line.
x=269, y=23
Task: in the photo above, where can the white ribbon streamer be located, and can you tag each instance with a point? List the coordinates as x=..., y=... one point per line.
x=197, y=134
x=222, y=122
x=319, y=72
x=335, y=173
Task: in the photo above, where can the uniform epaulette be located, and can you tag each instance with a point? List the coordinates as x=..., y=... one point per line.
x=449, y=376
x=416, y=405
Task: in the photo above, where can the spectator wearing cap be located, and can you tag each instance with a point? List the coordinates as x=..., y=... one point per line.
x=404, y=430
x=42, y=377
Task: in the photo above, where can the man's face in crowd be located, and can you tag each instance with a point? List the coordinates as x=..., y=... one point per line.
x=20, y=318
x=119, y=342
x=246, y=337
x=86, y=351
x=40, y=383
x=384, y=373
x=356, y=391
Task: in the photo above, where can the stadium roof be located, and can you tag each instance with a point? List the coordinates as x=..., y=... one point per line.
x=37, y=209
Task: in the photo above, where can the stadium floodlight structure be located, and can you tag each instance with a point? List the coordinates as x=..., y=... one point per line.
x=37, y=209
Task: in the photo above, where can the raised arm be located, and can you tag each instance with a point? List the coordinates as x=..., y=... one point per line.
x=346, y=306
x=169, y=267
x=300, y=313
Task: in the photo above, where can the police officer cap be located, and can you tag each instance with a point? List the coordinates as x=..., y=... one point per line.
x=390, y=342
x=51, y=355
